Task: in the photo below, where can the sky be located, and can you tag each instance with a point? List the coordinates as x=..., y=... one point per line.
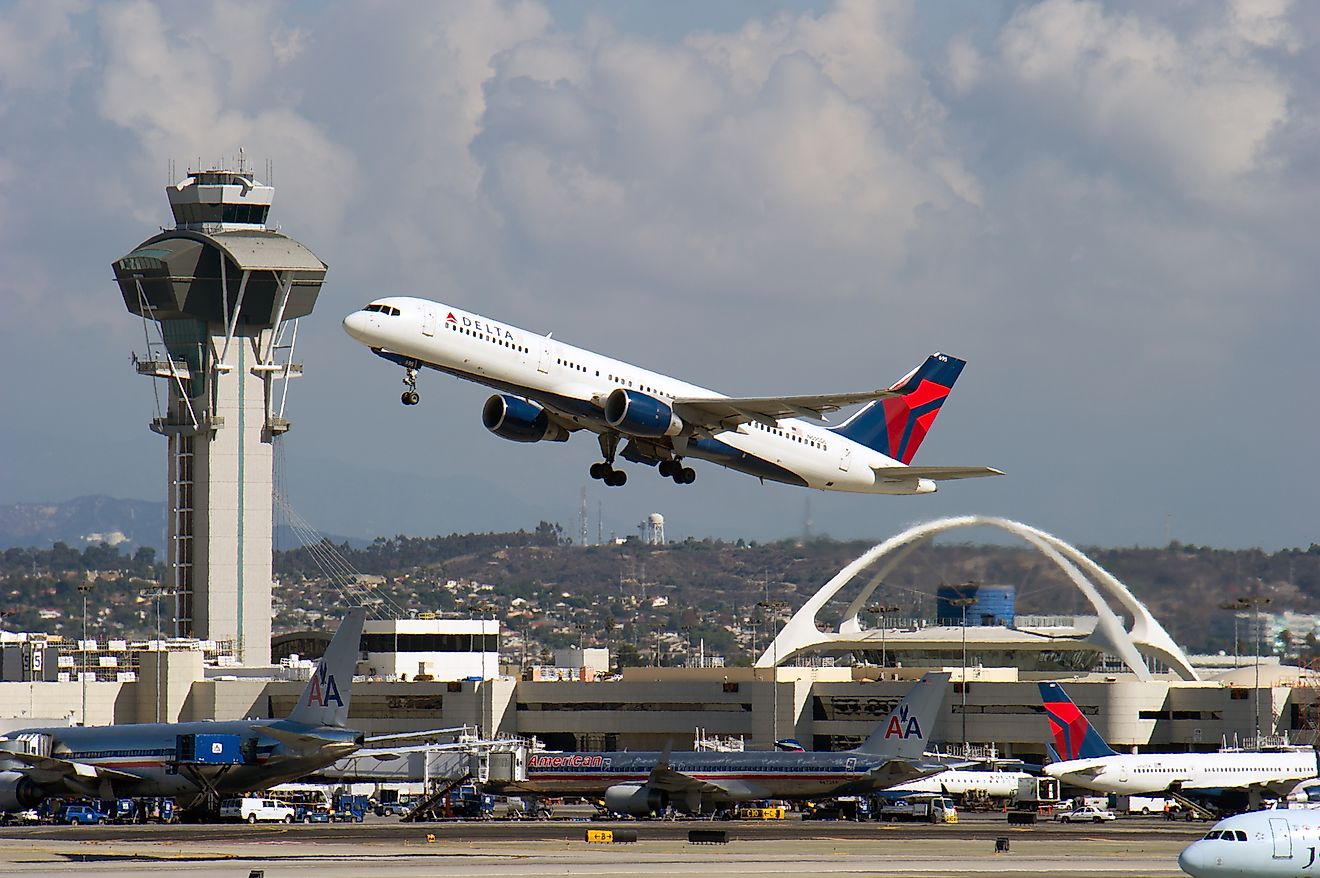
x=1107, y=209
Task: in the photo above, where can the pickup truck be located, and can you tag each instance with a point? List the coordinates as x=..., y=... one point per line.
x=1089, y=813
x=929, y=809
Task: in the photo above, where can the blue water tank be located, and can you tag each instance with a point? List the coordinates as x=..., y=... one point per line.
x=994, y=604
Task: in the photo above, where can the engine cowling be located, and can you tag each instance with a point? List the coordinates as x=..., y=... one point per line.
x=638, y=414
x=18, y=792
x=635, y=799
x=519, y=420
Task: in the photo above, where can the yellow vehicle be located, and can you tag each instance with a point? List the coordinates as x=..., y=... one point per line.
x=761, y=813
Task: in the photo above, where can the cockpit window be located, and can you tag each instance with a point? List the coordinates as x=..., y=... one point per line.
x=388, y=310
x=1212, y=835
x=1240, y=834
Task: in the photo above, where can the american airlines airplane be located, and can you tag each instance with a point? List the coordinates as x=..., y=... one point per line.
x=1088, y=762
x=193, y=760
x=1262, y=844
x=640, y=783
x=547, y=389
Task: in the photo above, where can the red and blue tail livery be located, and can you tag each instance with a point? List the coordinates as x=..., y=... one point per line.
x=1074, y=738
x=897, y=425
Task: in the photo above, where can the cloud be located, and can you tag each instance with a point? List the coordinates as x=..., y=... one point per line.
x=1197, y=107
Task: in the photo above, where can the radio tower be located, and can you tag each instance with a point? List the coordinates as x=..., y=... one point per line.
x=582, y=519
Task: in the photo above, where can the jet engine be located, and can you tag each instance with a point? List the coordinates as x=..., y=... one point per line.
x=637, y=414
x=635, y=799
x=519, y=420
x=17, y=791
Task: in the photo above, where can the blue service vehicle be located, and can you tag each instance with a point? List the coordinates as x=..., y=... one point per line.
x=469, y=803
x=155, y=810
x=305, y=813
x=84, y=814
x=351, y=809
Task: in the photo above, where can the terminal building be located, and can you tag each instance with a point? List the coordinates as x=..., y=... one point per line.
x=1137, y=688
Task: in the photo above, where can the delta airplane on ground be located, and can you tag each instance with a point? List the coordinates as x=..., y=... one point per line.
x=547, y=389
x=1086, y=761
x=641, y=783
x=146, y=759
x=1262, y=844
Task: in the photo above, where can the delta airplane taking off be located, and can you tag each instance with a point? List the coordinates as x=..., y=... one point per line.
x=1279, y=841
x=1088, y=762
x=639, y=783
x=194, y=760
x=547, y=389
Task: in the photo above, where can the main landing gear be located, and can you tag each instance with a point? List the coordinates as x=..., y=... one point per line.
x=674, y=469
x=609, y=475
x=410, y=396
x=604, y=470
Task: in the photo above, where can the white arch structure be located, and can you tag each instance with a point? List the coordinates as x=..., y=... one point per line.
x=1146, y=638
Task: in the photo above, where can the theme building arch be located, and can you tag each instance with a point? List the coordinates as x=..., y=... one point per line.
x=1147, y=637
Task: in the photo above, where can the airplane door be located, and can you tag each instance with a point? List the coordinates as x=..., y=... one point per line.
x=428, y=321
x=1282, y=838
x=845, y=458
x=543, y=362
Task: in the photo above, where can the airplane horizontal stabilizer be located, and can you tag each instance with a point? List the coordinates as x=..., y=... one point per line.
x=936, y=473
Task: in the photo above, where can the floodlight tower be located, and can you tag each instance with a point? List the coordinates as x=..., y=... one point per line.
x=220, y=295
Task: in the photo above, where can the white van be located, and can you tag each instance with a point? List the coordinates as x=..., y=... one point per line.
x=253, y=809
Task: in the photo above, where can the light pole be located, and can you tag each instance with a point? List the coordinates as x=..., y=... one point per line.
x=964, y=603
x=774, y=608
x=881, y=611
x=85, y=588
x=156, y=593
x=1253, y=603
x=1235, y=607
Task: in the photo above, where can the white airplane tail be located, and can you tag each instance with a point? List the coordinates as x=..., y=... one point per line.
x=324, y=701
x=905, y=733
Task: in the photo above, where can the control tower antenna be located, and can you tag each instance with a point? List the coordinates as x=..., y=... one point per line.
x=225, y=293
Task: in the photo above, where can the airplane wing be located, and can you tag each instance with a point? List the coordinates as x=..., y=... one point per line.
x=897, y=771
x=718, y=413
x=47, y=769
x=937, y=473
x=665, y=778
x=301, y=741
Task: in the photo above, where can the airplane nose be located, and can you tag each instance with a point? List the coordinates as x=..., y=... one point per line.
x=1195, y=861
x=356, y=324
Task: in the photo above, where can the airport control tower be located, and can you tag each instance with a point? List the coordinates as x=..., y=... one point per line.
x=220, y=295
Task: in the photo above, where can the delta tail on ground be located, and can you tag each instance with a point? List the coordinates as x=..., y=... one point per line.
x=640, y=783
x=1085, y=760
x=547, y=390
x=192, y=761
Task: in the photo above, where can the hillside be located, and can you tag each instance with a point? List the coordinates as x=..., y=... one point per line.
x=652, y=601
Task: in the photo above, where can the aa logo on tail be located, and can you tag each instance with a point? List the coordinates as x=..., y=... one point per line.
x=323, y=691
x=903, y=726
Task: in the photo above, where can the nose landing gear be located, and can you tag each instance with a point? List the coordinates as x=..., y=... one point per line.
x=410, y=396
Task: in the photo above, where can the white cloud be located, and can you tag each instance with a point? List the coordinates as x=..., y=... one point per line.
x=1197, y=107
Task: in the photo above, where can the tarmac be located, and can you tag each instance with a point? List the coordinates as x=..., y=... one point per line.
x=384, y=848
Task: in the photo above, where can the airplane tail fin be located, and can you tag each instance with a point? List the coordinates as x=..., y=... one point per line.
x=1074, y=737
x=895, y=426
x=324, y=701
x=906, y=731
